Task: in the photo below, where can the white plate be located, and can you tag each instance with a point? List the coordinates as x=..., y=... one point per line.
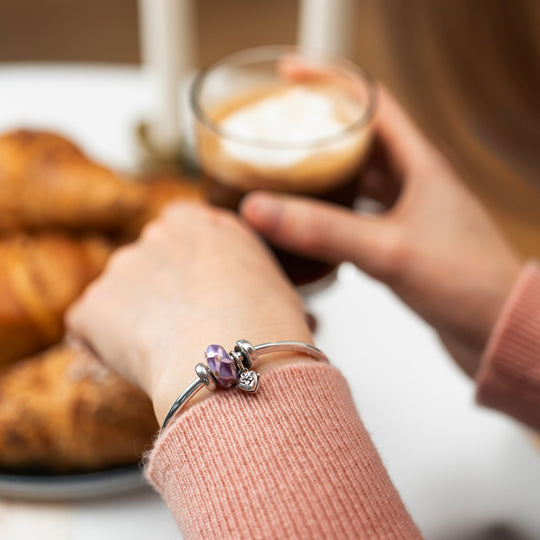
x=70, y=487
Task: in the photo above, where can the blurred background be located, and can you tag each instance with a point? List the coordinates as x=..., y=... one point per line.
x=468, y=72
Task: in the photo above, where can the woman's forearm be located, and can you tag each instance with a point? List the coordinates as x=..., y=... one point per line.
x=292, y=461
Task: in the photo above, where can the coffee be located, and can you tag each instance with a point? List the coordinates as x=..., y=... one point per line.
x=304, y=138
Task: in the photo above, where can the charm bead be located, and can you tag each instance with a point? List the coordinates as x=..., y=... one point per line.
x=221, y=365
x=248, y=381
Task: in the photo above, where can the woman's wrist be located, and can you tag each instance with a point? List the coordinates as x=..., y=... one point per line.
x=174, y=375
x=467, y=338
x=165, y=396
x=496, y=294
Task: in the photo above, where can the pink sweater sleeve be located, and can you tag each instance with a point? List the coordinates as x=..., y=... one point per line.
x=509, y=374
x=292, y=461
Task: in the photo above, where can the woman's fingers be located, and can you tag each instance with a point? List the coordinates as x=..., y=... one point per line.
x=320, y=230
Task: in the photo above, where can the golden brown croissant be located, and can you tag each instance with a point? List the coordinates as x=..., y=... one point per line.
x=39, y=277
x=46, y=181
x=18, y=149
x=64, y=411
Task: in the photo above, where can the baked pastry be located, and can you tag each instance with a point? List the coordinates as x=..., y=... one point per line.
x=21, y=147
x=46, y=181
x=63, y=411
x=61, y=216
x=40, y=276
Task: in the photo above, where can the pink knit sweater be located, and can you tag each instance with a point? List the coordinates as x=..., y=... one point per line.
x=295, y=460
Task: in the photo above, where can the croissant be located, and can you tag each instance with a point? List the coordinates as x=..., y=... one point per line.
x=39, y=277
x=63, y=411
x=18, y=149
x=46, y=181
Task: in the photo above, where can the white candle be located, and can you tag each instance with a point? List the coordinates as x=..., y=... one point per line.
x=167, y=33
x=327, y=26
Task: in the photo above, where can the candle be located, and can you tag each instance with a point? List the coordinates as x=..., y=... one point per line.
x=166, y=28
x=327, y=26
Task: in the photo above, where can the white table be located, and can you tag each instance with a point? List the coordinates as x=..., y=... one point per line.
x=464, y=472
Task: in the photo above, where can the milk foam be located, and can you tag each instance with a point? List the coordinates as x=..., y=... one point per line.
x=297, y=116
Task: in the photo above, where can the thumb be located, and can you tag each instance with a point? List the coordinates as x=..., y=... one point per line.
x=320, y=230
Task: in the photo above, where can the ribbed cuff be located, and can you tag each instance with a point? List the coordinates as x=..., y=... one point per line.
x=292, y=461
x=509, y=374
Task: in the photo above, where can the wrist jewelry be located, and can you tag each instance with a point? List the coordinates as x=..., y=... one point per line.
x=235, y=369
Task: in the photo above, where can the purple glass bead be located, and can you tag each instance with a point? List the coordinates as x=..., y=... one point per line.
x=221, y=365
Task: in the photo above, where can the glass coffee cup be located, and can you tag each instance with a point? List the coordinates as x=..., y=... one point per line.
x=277, y=118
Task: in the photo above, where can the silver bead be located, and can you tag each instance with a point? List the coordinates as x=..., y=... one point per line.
x=238, y=360
x=206, y=376
x=248, y=352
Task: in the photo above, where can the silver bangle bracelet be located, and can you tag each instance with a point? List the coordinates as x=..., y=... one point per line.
x=235, y=368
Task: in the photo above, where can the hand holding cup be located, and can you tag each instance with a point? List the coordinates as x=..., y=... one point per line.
x=435, y=246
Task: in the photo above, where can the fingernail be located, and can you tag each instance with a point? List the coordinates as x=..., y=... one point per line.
x=262, y=210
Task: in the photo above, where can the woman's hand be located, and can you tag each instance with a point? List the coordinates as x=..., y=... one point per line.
x=436, y=246
x=196, y=276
